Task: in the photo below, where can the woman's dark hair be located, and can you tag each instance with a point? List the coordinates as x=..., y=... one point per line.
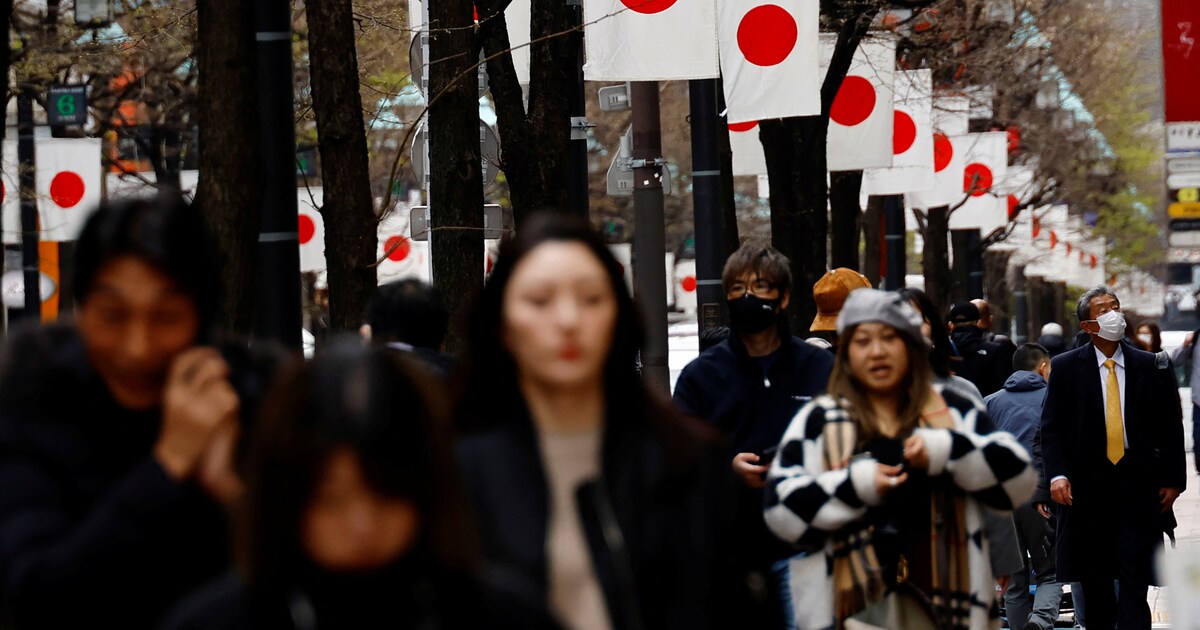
x=942, y=353
x=165, y=232
x=372, y=402
x=491, y=374
x=1155, y=336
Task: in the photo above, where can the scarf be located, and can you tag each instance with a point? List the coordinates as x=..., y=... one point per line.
x=858, y=577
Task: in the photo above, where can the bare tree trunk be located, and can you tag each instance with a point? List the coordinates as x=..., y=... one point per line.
x=729, y=225
x=873, y=241
x=935, y=261
x=350, y=221
x=845, y=218
x=456, y=189
x=534, y=144
x=230, y=191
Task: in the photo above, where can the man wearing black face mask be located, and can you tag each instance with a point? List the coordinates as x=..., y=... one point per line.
x=750, y=386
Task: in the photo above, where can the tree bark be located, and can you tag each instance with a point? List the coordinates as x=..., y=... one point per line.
x=873, y=241
x=230, y=192
x=935, y=261
x=456, y=188
x=533, y=143
x=348, y=210
x=845, y=218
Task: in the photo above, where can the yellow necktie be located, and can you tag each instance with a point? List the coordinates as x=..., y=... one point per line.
x=1112, y=415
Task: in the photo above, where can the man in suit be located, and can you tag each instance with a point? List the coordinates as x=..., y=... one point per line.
x=1112, y=448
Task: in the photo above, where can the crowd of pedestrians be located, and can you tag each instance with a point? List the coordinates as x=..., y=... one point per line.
x=157, y=474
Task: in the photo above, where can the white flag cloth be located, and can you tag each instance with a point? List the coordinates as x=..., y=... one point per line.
x=912, y=139
x=1017, y=187
x=650, y=40
x=985, y=165
x=748, y=158
x=769, y=59
x=67, y=186
x=860, y=120
x=949, y=120
x=408, y=258
x=516, y=17
x=310, y=228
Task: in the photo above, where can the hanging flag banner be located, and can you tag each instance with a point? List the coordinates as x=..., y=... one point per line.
x=516, y=18
x=949, y=120
x=68, y=184
x=860, y=119
x=985, y=159
x=769, y=59
x=310, y=228
x=1016, y=189
x=912, y=139
x=650, y=40
x=748, y=158
x=1181, y=60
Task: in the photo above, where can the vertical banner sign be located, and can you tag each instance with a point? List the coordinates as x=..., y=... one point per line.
x=861, y=117
x=650, y=40
x=1181, y=59
x=769, y=59
x=912, y=139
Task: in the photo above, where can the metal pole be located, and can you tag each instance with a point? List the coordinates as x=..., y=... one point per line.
x=577, y=184
x=706, y=202
x=975, y=264
x=29, y=210
x=649, y=238
x=277, y=311
x=1020, y=307
x=895, y=255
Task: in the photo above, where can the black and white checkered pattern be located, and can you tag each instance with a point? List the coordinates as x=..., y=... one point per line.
x=805, y=502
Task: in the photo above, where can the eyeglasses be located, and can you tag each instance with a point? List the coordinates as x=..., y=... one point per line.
x=760, y=288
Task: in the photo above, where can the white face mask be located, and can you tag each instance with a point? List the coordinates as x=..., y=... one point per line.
x=1146, y=338
x=1112, y=326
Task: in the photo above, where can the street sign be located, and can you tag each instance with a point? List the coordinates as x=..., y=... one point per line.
x=67, y=105
x=1183, y=165
x=493, y=222
x=1183, y=136
x=1185, y=209
x=1189, y=239
x=489, y=153
x=306, y=162
x=614, y=98
x=1184, y=225
x=1183, y=180
x=620, y=175
x=1183, y=255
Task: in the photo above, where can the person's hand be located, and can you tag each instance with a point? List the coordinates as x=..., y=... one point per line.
x=1060, y=491
x=197, y=400
x=216, y=473
x=1167, y=497
x=1003, y=581
x=888, y=478
x=915, y=452
x=745, y=465
x=1042, y=509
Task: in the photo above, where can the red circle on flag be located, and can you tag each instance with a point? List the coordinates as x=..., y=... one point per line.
x=66, y=189
x=766, y=35
x=742, y=126
x=854, y=102
x=3, y=192
x=1013, y=202
x=904, y=132
x=397, y=248
x=688, y=283
x=943, y=152
x=648, y=7
x=977, y=179
x=306, y=229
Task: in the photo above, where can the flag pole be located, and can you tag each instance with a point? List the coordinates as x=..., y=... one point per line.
x=706, y=201
x=649, y=239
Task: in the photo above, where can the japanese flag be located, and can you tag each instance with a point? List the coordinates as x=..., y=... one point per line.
x=517, y=17
x=400, y=257
x=912, y=139
x=860, y=120
x=748, y=158
x=310, y=228
x=769, y=63
x=10, y=197
x=68, y=184
x=650, y=40
x=949, y=120
x=985, y=159
x=1016, y=189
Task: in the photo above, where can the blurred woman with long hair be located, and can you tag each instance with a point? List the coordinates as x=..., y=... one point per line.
x=586, y=484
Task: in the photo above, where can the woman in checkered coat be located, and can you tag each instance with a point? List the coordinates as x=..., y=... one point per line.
x=885, y=477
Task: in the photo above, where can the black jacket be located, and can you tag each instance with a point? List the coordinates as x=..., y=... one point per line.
x=653, y=521
x=92, y=530
x=985, y=363
x=1073, y=445
x=726, y=386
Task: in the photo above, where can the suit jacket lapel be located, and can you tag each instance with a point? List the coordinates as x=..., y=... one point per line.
x=1092, y=418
